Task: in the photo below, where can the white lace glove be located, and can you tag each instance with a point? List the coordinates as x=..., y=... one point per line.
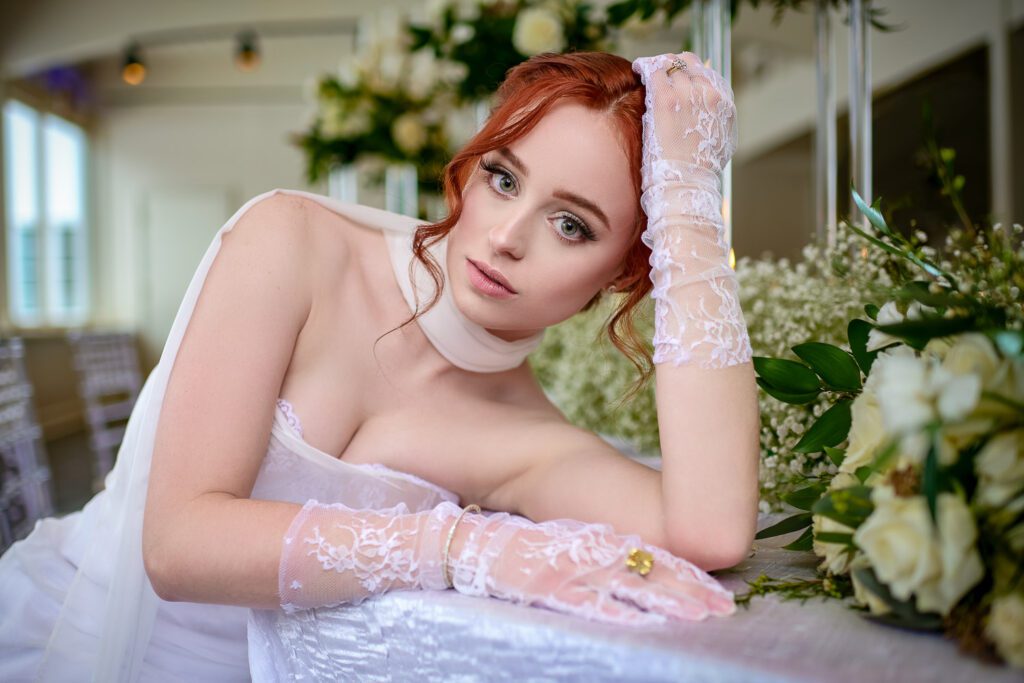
x=335, y=555
x=689, y=137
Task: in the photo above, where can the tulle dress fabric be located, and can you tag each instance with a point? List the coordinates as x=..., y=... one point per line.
x=75, y=602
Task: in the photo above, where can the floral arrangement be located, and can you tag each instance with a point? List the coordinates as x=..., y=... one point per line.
x=922, y=519
x=488, y=38
x=390, y=105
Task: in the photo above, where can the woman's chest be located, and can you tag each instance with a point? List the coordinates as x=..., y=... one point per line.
x=366, y=392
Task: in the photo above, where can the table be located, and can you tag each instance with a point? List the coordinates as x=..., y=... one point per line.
x=424, y=636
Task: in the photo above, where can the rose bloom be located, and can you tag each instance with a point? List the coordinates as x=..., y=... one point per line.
x=837, y=559
x=1000, y=468
x=537, y=30
x=1005, y=628
x=899, y=540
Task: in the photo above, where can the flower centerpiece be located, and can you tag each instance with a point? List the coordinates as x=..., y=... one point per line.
x=921, y=520
x=486, y=39
x=390, y=105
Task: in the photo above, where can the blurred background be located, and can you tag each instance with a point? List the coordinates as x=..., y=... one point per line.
x=132, y=131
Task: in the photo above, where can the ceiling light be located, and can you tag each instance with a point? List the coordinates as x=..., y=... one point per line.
x=134, y=71
x=247, y=54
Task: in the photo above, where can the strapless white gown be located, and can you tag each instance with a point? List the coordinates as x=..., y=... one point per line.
x=190, y=641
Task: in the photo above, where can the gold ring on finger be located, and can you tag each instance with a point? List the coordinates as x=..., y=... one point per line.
x=677, y=65
x=639, y=561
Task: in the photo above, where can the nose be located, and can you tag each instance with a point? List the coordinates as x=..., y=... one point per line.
x=508, y=236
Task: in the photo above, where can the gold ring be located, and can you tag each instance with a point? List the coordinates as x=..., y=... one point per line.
x=639, y=561
x=677, y=65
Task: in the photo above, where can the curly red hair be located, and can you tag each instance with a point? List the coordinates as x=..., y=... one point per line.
x=602, y=82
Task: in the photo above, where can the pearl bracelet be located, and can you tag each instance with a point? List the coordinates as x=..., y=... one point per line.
x=448, y=544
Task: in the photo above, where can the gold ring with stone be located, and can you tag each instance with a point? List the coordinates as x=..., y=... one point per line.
x=677, y=65
x=639, y=561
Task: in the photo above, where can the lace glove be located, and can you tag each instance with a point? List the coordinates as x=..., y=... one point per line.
x=689, y=136
x=580, y=568
x=334, y=555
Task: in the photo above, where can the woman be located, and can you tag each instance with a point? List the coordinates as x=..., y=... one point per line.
x=384, y=366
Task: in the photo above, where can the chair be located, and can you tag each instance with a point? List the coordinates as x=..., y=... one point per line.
x=25, y=494
x=109, y=383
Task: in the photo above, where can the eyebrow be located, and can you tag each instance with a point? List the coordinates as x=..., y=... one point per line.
x=561, y=194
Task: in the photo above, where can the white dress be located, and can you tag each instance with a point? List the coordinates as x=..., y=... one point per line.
x=75, y=601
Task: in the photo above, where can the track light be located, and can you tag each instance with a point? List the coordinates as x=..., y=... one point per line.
x=134, y=71
x=247, y=54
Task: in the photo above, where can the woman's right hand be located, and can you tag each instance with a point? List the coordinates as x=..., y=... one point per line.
x=580, y=568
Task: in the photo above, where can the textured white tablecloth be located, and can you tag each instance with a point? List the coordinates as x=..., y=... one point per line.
x=424, y=636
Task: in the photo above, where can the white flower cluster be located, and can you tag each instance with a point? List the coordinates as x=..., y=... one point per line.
x=958, y=395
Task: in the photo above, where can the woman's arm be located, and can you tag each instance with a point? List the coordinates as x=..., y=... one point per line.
x=203, y=539
x=706, y=393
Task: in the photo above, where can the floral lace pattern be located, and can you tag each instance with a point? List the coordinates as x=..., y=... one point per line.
x=333, y=555
x=689, y=137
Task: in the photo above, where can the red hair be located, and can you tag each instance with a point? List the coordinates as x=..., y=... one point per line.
x=599, y=81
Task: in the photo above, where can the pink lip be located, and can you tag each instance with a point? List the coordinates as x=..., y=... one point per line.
x=488, y=280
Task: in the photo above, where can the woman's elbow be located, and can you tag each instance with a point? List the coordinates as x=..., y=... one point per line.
x=156, y=561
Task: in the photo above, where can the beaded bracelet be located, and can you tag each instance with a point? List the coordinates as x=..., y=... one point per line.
x=448, y=544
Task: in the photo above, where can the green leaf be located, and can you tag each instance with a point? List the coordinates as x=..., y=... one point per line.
x=834, y=537
x=930, y=478
x=786, y=526
x=903, y=613
x=787, y=375
x=806, y=497
x=857, y=333
x=871, y=310
x=830, y=429
x=872, y=214
x=835, y=366
x=796, y=399
x=850, y=506
x=836, y=455
x=917, y=333
x=805, y=542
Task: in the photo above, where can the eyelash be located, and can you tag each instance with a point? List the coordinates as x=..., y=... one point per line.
x=493, y=170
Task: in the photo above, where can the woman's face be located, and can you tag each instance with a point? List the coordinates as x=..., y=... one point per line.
x=545, y=224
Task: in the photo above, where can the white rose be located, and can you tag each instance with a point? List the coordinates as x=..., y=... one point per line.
x=423, y=74
x=538, y=30
x=888, y=314
x=867, y=432
x=1000, y=468
x=896, y=538
x=903, y=390
x=1005, y=628
x=957, y=394
x=837, y=555
x=960, y=563
x=331, y=116
x=955, y=438
x=973, y=354
x=408, y=133
x=862, y=595
x=462, y=33
x=348, y=72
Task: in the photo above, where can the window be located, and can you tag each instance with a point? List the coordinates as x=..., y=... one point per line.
x=46, y=227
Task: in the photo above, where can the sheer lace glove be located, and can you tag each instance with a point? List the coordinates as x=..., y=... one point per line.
x=334, y=555
x=689, y=136
x=580, y=568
